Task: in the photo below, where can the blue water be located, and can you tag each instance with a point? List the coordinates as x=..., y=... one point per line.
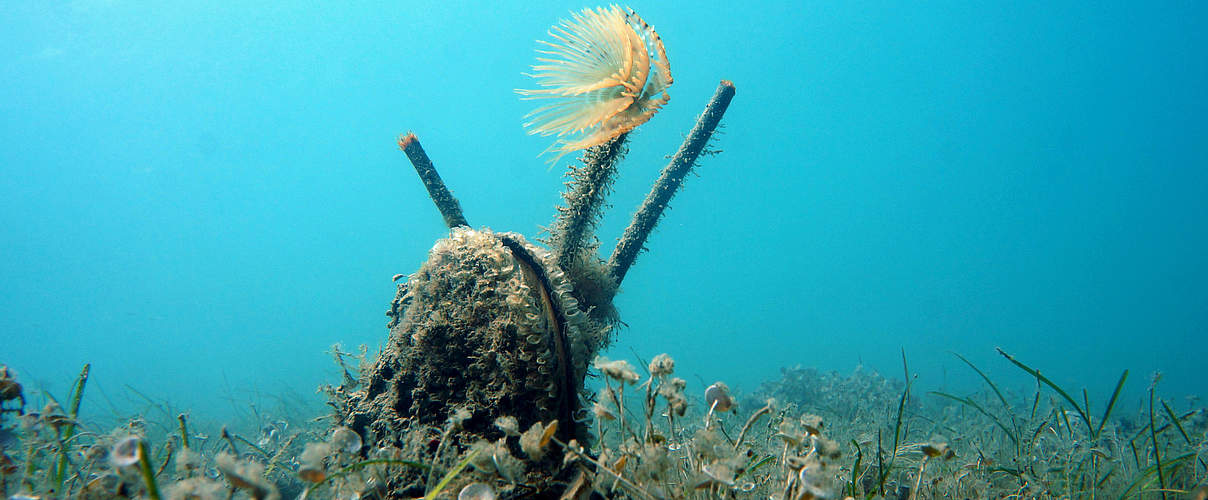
x=199, y=198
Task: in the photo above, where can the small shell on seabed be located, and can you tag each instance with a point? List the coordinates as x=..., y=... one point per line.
x=477, y=491
x=126, y=452
x=717, y=396
x=346, y=440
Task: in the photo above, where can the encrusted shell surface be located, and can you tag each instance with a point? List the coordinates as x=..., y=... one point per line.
x=487, y=324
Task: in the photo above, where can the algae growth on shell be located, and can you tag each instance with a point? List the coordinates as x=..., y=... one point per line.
x=487, y=325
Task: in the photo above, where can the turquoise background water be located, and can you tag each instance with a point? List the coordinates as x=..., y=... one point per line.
x=201, y=197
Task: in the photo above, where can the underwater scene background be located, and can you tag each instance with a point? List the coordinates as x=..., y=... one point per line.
x=201, y=199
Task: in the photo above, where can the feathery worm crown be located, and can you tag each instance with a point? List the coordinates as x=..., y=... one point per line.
x=606, y=72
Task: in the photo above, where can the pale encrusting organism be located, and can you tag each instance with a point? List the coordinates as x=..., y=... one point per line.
x=605, y=72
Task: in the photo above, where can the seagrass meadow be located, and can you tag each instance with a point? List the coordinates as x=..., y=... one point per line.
x=807, y=434
x=657, y=251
